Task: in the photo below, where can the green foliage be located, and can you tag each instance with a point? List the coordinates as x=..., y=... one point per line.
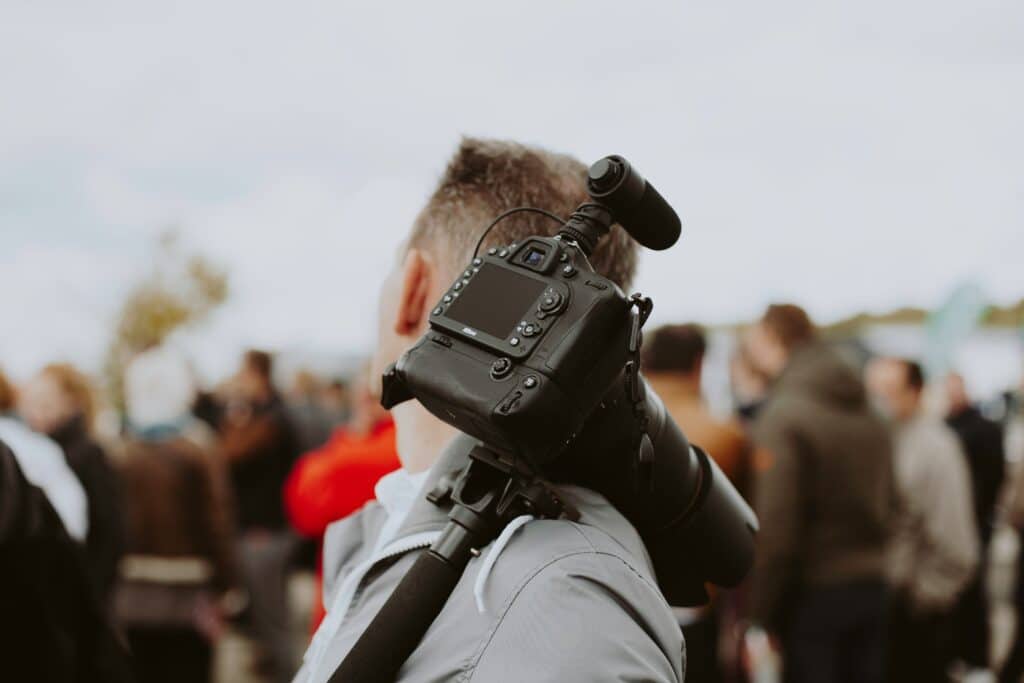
x=180, y=290
x=994, y=316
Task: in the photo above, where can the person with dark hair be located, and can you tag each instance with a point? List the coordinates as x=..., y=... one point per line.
x=1013, y=667
x=823, y=470
x=260, y=445
x=981, y=441
x=672, y=358
x=310, y=422
x=59, y=402
x=552, y=600
x=54, y=628
x=935, y=546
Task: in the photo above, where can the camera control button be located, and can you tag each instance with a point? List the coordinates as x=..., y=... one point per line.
x=514, y=341
x=439, y=310
x=492, y=251
x=568, y=271
x=447, y=298
x=530, y=330
x=457, y=286
x=503, y=253
x=467, y=273
x=509, y=404
x=530, y=382
x=500, y=368
x=550, y=302
x=477, y=261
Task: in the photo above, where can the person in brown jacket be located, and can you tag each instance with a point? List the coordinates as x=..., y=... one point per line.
x=673, y=362
x=179, y=559
x=824, y=494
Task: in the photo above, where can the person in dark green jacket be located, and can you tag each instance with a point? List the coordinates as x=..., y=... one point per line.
x=824, y=495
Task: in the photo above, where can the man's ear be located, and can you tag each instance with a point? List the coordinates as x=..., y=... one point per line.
x=418, y=273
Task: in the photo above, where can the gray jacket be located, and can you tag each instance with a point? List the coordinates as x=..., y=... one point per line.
x=935, y=548
x=565, y=601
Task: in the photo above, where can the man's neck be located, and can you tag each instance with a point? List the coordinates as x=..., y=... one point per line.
x=420, y=436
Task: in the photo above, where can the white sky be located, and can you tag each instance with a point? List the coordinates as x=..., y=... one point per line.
x=859, y=155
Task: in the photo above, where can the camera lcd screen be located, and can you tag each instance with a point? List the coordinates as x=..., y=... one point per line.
x=495, y=300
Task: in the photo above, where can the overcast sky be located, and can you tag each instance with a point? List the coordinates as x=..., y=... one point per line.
x=866, y=156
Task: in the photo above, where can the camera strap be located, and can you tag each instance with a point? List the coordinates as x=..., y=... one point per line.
x=641, y=310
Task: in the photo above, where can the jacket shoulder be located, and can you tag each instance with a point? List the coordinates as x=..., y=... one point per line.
x=347, y=540
x=590, y=606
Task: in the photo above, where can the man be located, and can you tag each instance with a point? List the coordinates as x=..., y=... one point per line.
x=1013, y=667
x=823, y=494
x=673, y=360
x=259, y=442
x=981, y=441
x=562, y=601
x=260, y=445
x=935, y=545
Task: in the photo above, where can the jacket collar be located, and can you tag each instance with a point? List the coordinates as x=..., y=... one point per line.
x=424, y=515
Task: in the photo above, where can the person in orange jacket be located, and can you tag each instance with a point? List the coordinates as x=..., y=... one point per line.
x=338, y=478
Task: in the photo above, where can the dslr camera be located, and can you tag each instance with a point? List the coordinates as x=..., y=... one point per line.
x=536, y=355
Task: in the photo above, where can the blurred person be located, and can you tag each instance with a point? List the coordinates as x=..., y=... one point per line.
x=180, y=557
x=672, y=360
x=584, y=591
x=306, y=412
x=59, y=402
x=259, y=442
x=334, y=399
x=981, y=441
x=54, y=628
x=935, y=546
x=338, y=478
x=823, y=470
x=43, y=464
x=748, y=385
x=1013, y=668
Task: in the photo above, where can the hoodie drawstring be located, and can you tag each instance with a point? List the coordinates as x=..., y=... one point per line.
x=492, y=557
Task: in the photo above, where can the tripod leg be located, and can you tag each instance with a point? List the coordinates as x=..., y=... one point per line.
x=400, y=624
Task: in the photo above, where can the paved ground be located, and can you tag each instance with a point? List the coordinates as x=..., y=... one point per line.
x=234, y=654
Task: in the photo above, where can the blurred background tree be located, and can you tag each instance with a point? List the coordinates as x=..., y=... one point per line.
x=181, y=289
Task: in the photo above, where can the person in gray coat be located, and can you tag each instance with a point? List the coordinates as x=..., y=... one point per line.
x=935, y=548
x=548, y=600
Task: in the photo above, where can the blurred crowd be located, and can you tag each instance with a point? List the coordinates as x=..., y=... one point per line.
x=878, y=489
x=186, y=521
x=878, y=493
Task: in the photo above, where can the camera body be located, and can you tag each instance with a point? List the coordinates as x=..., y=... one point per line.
x=521, y=348
x=536, y=355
